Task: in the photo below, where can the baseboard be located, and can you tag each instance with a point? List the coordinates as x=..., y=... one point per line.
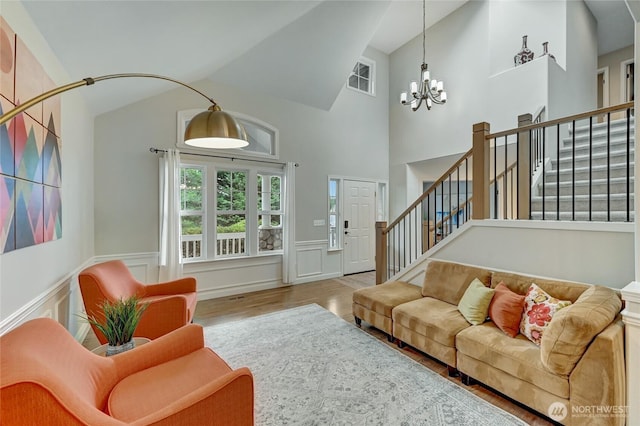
x=238, y=289
x=317, y=277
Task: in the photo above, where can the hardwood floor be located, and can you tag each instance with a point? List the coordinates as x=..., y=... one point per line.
x=334, y=295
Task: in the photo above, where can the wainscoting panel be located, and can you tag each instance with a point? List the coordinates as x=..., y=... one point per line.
x=227, y=277
x=143, y=266
x=315, y=262
x=58, y=303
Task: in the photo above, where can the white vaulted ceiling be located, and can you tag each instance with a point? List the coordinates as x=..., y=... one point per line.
x=301, y=50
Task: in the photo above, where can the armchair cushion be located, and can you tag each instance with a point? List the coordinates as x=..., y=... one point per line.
x=148, y=391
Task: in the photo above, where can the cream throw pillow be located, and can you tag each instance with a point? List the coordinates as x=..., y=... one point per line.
x=474, y=304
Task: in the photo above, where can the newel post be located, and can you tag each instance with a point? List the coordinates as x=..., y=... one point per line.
x=524, y=168
x=381, y=252
x=480, y=171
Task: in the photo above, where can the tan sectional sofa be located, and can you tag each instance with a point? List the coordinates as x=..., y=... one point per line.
x=579, y=365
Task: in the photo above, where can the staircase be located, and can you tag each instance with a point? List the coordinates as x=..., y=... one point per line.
x=598, y=181
x=576, y=168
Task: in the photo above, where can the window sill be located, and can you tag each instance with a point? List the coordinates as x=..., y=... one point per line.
x=227, y=259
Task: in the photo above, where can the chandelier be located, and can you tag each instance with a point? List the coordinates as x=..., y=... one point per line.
x=428, y=90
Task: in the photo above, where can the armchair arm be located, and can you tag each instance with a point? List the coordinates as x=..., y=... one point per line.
x=182, y=285
x=226, y=401
x=163, y=315
x=602, y=364
x=176, y=344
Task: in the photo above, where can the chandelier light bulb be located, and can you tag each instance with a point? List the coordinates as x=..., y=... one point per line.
x=434, y=84
x=443, y=96
x=403, y=98
x=429, y=103
x=425, y=76
x=414, y=88
x=414, y=104
x=440, y=86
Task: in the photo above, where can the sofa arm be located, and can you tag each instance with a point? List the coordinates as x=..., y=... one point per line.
x=179, y=286
x=598, y=380
x=176, y=344
x=226, y=401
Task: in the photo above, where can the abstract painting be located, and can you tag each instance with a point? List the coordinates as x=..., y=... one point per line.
x=30, y=150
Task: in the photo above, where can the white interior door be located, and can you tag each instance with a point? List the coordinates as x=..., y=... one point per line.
x=359, y=226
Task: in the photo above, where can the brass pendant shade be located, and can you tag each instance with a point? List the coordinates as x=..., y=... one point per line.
x=215, y=129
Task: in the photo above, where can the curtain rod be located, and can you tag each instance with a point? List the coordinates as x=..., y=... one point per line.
x=156, y=150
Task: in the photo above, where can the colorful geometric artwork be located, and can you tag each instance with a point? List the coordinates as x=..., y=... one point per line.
x=51, y=161
x=7, y=60
x=7, y=137
x=30, y=150
x=28, y=144
x=29, y=214
x=7, y=214
x=52, y=213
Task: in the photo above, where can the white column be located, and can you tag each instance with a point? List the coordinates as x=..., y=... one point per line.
x=631, y=318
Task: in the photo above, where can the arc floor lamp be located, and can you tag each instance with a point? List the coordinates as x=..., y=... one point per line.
x=213, y=128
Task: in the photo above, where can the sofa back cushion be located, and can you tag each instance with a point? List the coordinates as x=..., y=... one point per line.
x=573, y=328
x=563, y=290
x=448, y=281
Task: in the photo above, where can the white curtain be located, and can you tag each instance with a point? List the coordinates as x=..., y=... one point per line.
x=170, y=224
x=289, y=240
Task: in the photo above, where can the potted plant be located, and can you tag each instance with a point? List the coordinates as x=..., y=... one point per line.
x=120, y=321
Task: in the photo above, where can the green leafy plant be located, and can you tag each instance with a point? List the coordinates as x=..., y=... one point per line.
x=120, y=319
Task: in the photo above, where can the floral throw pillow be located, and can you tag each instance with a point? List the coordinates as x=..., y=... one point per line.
x=539, y=308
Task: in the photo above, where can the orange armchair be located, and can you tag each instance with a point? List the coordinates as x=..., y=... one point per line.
x=170, y=305
x=47, y=377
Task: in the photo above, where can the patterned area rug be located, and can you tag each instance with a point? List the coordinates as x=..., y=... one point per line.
x=312, y=368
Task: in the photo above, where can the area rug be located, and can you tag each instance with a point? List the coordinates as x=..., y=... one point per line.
x=312, y=368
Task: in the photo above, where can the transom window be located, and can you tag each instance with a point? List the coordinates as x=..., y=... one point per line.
x=362, y=77
x=263, y=138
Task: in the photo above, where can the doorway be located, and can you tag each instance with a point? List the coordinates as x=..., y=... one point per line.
x=602, y=87
x=359, y=226
x=627, y=68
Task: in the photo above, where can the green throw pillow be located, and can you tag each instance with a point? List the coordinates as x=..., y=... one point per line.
x=474, y=304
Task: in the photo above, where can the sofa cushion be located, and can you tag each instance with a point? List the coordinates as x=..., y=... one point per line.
x=539, y=309
x=384, y=297
x=474, y=304
x=573, y=328
x=438, y=320
x=448, y=281
x=506, y=309
x=515, y=356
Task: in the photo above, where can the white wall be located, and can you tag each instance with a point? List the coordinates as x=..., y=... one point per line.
x=585, y=252
x=335, y=142
x=38, y=280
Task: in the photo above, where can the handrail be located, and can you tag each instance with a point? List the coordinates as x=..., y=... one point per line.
x=538, y=113
x=426, y=193
x=601, y=111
